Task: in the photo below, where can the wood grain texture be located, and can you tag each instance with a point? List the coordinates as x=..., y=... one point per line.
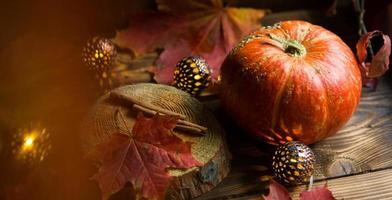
x=363, y=145
x=374, y=185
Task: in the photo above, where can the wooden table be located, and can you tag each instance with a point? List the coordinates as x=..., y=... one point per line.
x=356, y=163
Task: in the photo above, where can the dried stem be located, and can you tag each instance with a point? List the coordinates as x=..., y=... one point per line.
x=310, y=183
x=359, y=6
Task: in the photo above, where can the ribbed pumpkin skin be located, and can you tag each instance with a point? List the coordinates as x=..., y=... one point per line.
x=280, y=97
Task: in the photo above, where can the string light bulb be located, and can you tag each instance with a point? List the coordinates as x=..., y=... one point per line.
x=28, y=143
x=32, y=144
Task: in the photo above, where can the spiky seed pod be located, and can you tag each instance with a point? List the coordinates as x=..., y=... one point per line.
x=293, y=163
x=99, y=54
x=192, y=74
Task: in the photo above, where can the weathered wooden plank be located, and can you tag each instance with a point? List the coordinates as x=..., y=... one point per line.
x=374, y=185
x=237, y=185
x=365, y=143
x=369, y=186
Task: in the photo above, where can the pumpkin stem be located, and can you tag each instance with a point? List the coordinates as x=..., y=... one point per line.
x=292, y=47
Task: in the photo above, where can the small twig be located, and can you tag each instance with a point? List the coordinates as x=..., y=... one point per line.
x=181, y=124
x=359, y=6
x=310, y=183
x=145, y=104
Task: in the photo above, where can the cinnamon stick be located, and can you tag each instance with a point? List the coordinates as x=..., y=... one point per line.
x=181, y=124
x=145, y=104
x=190, y=129
x=187, y=123
x=150, y=109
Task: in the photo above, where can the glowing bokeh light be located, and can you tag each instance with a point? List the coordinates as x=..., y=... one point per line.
x=31, y=145
x=28, y=142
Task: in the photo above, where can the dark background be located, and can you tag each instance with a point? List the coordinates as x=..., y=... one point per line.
x=42, y=79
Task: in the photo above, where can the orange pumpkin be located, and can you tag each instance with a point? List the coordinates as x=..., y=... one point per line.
x=291, y=81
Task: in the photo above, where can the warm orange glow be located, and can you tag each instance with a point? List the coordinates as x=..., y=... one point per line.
x=28, y=142
x=32, y=144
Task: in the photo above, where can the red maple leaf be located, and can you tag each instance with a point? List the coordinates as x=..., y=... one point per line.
x=317, y=193
x=373, y=51
x=188, y=27
x=142, y=158
x=279, y=192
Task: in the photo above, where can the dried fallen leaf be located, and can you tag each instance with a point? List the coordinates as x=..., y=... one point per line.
x=317, y=193
x=142, y=158
x=277, y=192
x=188, y=27
x=373, y=51
x=149, y=31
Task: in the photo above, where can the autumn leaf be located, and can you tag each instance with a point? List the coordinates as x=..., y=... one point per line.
x=142, y=158
x=317, y=193
x=373, y=51
x=277, y=192
x=182, y=28
x=149, y=31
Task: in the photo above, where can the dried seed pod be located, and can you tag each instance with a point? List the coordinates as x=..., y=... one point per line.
x=192, y=74
x=293, y=162
x=99, y=54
